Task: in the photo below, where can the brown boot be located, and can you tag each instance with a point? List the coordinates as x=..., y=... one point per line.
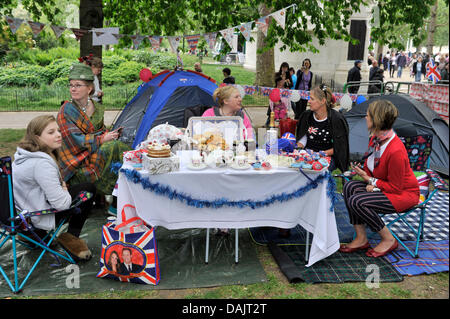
x=75, y=246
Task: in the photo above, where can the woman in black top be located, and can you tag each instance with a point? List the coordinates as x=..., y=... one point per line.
x=323, y=129
x=285, y=75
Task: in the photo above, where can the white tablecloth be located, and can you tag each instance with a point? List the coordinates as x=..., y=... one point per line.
x=311, y=211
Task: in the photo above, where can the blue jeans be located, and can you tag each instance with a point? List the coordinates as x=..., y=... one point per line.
x=399, y=71
x=418, y=77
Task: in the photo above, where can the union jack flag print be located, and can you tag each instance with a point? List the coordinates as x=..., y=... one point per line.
x=129, y=256
x=313, y=130
x=433, y=73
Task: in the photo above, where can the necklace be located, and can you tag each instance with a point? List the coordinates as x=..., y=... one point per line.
x=83, y=108
x=222, y=112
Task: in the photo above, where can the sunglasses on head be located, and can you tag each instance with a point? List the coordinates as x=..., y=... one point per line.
x=323, y=87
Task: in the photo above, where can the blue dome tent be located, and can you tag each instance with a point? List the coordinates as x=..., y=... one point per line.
x=164, y=99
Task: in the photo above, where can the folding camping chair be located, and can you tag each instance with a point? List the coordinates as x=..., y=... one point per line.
x=419, y=149
x=13, y=224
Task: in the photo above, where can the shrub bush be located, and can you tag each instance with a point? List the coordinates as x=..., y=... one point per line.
x=61, y=82
x=37, y=67
x=23, y=75
x=126, y=72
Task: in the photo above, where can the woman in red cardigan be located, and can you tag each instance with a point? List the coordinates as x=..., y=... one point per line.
x=389, y=184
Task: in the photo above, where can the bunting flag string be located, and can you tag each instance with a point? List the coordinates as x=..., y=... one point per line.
x=155, y=41
x=245, y=29
x=99, y=33
x=79, y=33
x=286, y=93
x=210, y=39
x=118, y=36
x=174, y=42
x=14, y=23
x=228, y=34
x=36, y=27
x=263, y=24
x=280, y=17
x=192, y=41
x=58, y=30
x=137, y=40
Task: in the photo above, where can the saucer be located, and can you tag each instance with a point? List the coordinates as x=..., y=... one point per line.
x=234, y=166
x=311, y=171
x=196, y=168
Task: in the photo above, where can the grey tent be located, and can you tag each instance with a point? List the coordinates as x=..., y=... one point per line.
x=415, y=118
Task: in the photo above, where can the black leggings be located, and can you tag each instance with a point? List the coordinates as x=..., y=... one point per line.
x=76, y=221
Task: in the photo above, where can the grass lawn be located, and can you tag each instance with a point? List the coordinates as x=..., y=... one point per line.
x=418, y=287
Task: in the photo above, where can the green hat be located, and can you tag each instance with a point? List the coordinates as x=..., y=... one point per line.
x=80, y=71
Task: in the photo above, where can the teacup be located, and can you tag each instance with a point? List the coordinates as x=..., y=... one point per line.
x=228, y=156
x=196, y=160
x=241, y=160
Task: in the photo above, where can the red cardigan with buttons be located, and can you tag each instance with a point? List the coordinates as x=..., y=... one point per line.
x=395, y=176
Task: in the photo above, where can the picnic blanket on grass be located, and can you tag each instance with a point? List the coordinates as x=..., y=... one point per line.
x=181, y=256
x=433, y=252
x=337, y=268
x=433, y=258
x=436, y=225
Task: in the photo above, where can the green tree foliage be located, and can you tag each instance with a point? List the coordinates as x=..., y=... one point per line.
x=401, y=13
x=328, y=19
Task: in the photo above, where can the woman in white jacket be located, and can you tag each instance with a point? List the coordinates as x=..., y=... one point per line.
x=38, y=185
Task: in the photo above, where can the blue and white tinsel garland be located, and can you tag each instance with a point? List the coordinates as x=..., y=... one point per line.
x=164, y=190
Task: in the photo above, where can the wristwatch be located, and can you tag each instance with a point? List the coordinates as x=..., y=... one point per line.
x=372, y=181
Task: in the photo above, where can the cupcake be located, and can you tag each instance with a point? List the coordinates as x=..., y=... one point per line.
x=257, y=165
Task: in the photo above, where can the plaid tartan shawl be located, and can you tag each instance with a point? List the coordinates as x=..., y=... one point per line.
x=81, y=143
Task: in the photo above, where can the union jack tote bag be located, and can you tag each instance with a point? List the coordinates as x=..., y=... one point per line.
x=129, y=251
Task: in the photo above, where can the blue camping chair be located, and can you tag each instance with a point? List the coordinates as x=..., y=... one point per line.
x=419, y=150
x=15, y=226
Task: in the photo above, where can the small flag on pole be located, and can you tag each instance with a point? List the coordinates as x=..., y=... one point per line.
x=433, y=73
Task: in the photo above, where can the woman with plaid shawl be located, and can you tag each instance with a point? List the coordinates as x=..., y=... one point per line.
x=88, y=149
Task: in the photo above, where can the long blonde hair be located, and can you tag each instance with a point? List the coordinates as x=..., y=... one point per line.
x=31, y=141
x=223, y=93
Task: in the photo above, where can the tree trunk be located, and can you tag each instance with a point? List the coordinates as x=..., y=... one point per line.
x=91, y=16
x=432, y=28
x=265, y=62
